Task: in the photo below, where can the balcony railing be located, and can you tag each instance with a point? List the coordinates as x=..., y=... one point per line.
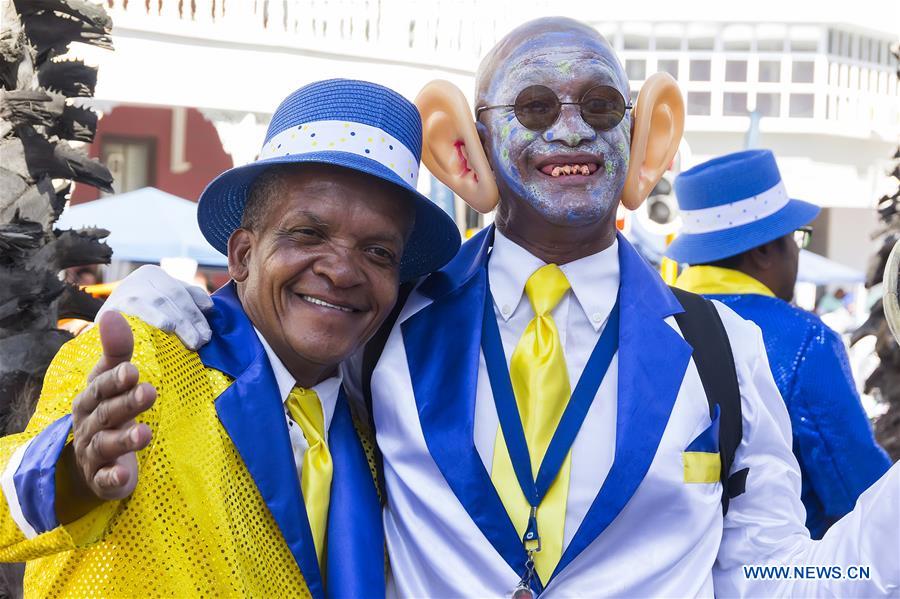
x=443, y=33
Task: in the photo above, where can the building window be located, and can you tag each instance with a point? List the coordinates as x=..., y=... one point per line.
x=635, y=41
x=636, y=69
x=736, y=70
x=770, y=44
x=802, y=71
x=698, y=103
x=804, y=45
x=769, y=71
x=768, y=104
x=701, y=43
x=130, y=162
x=734, y=104
x=801, y=105
x=700, y=70
x=668, y=43
x=844, y=44
x=669, y=66
x=737, y=45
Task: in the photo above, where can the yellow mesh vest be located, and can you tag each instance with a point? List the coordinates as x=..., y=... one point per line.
x=196, y=524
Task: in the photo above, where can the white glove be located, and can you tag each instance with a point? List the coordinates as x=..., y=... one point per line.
x=163, y=302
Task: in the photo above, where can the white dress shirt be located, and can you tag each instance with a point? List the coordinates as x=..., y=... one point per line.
x=327, y=392
x=580, y=318
x=670, y=539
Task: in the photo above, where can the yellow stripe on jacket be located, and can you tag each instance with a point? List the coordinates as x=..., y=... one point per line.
x=195, y=526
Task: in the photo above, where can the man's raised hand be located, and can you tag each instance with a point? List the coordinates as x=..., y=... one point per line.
x=106, y=435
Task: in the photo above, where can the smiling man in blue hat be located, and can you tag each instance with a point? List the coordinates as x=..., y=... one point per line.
x=237, y=470
x=742, y=237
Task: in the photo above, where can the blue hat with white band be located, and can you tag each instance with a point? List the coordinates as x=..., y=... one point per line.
x=734, y=203
x=352, y=124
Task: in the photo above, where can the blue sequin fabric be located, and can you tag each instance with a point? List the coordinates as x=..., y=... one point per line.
x=833, y=441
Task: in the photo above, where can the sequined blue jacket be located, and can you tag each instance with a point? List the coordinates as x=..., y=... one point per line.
x=833, y=440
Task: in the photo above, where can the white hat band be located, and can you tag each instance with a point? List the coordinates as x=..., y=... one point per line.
x=735, y=214
x=345, y=136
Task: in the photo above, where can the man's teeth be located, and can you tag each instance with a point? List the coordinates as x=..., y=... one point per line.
x=319, y=302
x=570, y=169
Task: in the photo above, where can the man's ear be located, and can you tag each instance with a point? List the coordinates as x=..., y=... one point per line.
x=657, y=125
x=764, y=256
x=239, y=254
x=451, y=148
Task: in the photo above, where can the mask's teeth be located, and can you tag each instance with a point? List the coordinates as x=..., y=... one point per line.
x=555, y=171
x=568, y=169
x=585, y=170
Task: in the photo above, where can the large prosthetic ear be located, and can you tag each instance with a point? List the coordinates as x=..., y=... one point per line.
x=658, y=125
x=451, y=148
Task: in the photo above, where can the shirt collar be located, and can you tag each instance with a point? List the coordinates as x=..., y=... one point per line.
x=715, y=280
x=594, y=279
x=327, y=390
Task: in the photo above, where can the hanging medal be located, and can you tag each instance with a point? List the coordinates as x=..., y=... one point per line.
x=535, y=489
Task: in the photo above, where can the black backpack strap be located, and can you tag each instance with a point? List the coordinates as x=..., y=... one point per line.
x=371, y=355
x=703, y=330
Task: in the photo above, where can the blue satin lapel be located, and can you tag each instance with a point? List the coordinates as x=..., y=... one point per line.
x=652, y=361
x=355, y=562
x=252, y=412
x=443, y=347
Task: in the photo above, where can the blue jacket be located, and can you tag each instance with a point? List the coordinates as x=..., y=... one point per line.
x=839, y=458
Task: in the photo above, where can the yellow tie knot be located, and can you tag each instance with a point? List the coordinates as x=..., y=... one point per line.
x=306, y=409
x=545, y=287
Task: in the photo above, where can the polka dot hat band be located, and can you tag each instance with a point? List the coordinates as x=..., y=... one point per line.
x=346, y=136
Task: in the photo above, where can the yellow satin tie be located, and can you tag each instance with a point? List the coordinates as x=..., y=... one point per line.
x=315, y=480
x=540, y=382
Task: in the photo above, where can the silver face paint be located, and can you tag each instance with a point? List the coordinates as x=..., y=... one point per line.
x=518, y=154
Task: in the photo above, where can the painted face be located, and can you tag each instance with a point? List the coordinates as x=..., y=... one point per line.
x=570, y=173
x=322, y=267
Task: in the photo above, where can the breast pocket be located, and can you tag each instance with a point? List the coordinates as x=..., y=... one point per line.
x=701, y=459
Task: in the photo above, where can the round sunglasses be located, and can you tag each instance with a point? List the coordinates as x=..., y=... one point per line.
x=537, y=107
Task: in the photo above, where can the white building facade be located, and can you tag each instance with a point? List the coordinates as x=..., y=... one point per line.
x=814, y=82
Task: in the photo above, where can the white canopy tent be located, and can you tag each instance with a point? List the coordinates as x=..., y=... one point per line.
x=146, y=225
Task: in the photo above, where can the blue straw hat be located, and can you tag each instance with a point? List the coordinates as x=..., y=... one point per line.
x=353, y=124
x=732, y=204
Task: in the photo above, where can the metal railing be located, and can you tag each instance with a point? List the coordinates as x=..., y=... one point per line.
x=449, y=33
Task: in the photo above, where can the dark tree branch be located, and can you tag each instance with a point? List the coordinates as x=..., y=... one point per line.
x=74, y=248
x=71, y=78
x=75, y=123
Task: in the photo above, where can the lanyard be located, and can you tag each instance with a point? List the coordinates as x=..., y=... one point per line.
x=511, y=422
